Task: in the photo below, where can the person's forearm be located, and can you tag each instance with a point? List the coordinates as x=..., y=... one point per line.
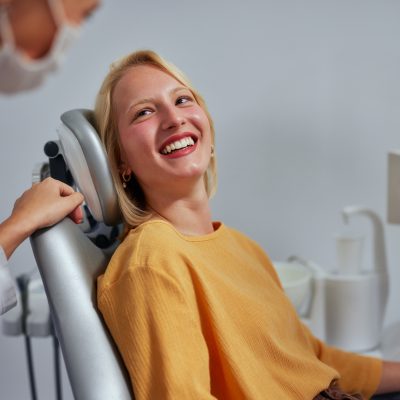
x=390, y=379
x=12, y=234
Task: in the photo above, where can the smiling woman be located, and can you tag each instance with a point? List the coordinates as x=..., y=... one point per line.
x=195, y=307
x=137, y=121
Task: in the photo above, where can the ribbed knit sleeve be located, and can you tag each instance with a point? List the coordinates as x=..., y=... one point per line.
x=358, y=374
x=160, y=341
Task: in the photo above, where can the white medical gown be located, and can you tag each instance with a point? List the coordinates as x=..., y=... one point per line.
x=8, y=295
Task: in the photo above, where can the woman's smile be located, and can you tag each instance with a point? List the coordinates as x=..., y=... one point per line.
x=179, y=145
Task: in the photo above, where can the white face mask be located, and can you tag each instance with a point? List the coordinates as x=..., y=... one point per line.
x=17, y=73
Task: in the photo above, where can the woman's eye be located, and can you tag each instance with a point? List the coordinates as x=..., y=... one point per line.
x=142, y=113
x=184, y=100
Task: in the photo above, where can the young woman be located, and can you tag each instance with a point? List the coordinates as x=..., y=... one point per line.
x=195, y=307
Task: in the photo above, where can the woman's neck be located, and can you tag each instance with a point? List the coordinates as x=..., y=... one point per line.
x=189, y=214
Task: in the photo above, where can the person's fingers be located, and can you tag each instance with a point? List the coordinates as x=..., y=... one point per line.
x=73, y=202
x=65, y=190
x=50, y=184
x=65, y=201
x=76, y=215
x=76, y=198
x=68, y=201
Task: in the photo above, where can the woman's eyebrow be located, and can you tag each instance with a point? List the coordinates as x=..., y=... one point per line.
x=151, y=99
x=139, y=102
x=178, y=89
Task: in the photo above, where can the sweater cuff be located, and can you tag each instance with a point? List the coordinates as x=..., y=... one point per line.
x=374, y=376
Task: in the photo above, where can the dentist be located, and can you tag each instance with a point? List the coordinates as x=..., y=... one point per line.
x=34, y=36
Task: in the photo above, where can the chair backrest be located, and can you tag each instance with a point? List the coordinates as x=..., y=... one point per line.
x=69, y=264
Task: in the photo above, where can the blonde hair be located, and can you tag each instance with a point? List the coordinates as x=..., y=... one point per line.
x=131, y=199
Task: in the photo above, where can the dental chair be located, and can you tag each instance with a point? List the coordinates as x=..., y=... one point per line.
x=69, y=263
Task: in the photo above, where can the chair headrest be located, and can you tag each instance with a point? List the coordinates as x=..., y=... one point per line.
x=87, y=160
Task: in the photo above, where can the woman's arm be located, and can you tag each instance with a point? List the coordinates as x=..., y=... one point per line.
x=357, y=373
x=158, y=335
x=390, y=378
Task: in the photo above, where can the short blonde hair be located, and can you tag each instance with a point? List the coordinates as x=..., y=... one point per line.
x=131, y=199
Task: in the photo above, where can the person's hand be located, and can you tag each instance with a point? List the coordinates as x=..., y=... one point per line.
x=43, y=205
x=46, y=203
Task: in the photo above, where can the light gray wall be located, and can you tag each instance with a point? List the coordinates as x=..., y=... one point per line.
x=305, y=97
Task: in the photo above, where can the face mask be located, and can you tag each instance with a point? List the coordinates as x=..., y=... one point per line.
x=17, y=73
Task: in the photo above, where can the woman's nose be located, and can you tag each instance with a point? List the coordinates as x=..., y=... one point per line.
x=172, y=118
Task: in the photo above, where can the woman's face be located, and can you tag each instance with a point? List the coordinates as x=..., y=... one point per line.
x=164, y=134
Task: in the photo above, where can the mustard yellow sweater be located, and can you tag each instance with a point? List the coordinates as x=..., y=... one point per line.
x=206, y=317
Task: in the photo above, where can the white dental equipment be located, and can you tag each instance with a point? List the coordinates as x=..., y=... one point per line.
x=349, y=254
x=31, y=318
x=347, y=309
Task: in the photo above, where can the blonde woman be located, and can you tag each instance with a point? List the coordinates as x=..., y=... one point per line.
x=195, y=307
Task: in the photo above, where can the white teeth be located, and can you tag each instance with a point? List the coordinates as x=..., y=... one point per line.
x=179, y=144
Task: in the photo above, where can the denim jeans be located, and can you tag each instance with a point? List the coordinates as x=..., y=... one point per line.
x=389, y=396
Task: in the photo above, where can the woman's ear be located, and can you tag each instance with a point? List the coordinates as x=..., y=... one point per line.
x=124, y=169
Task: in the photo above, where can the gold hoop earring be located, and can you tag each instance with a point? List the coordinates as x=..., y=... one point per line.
x=212, y=150
x=125, y=178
